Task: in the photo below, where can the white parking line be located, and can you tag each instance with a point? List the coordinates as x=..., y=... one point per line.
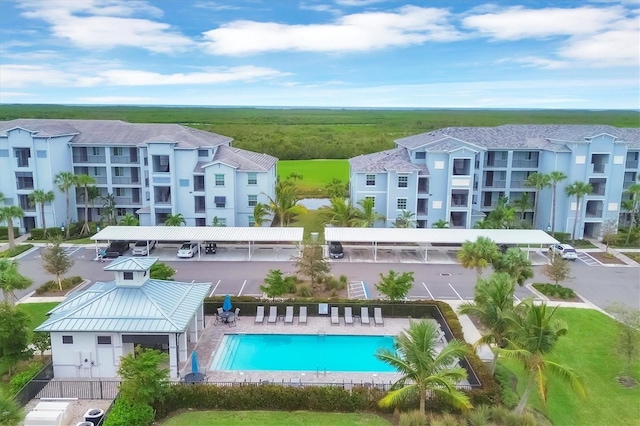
x=454, y=290
x=242, y=288
x=427, y=288
x=516, y=297
x=214, y=289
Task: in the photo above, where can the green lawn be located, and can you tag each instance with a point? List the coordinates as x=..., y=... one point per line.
x=274, y=418
x=587, y=348
x=632, y=255
x=311, y=222
x=316, y=174
x=37, y=311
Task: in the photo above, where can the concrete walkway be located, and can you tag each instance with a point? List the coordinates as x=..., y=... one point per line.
x=20, y=240
x=614, y=252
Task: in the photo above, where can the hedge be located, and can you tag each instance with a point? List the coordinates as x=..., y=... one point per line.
x=4, y=232
x=19, y=249
x=125, y=413
x=38, y=233
x=554, y=290
x=21, y=379
x=52, y=286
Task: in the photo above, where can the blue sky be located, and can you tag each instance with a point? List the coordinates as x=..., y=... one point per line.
x=324, y=53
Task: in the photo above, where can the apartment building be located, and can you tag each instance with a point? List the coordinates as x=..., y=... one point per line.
x=152, y=170
x=458, y=174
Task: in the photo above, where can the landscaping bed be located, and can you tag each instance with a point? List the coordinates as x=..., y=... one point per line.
x=632, y=255
x=557, y=292
x=51, y=288
x=606, y=258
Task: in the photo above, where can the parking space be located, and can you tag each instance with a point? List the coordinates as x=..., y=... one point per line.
x=590, y=261
x=236, y=287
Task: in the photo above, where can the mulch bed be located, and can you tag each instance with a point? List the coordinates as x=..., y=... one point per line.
x=607, y=259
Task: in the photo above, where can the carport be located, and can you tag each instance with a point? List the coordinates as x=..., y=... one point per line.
x=424, y=236
x=180, y=234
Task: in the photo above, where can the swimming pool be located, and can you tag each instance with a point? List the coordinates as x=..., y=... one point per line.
x=301, y=352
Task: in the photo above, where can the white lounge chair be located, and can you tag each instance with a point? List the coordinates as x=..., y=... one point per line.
x=348, y=316
x=302, y=315
x=237, y=314
x=335, y=318
x=273, y=315
x=260, y=315
x=288, y=316
x=377, y=316
x=364, y=316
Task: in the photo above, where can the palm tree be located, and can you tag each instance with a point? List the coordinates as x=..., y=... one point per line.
x=1, y=197
x=554, y=178
x=367, y=216
x=340, y=212
x=284, y=206
x=634, y=191
x=260, y=213
x=538, y=181
x=11, y=280
x=579, y=190
x=493, y=298
x=424, y=369
x=10, y=411
x=93, y=193
x=516, y=264
x=109, y=209
x=533, y=335
x=441, y=224
x=85, y=181
x=523, y=203
x=405, y=219
x=129, y=220
x=175, y=220
x=8, y=214
x=41, y=197
x=65, y=181
x=478, y=254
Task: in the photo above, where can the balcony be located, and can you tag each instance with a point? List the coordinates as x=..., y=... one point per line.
x=459, y=201
x=631, y=164
x=598, y=169
x=525, y=164
x=597, y=190
x=128, y=201
x=627, y=184
x=597, y=213
x=89, y=159
x=495, y=163
x=423, y=187
x=495, y=184
x=518, y=184
x=127, y=180
x=124, y=159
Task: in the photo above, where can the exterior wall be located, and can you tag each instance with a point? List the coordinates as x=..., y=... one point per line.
x=382, y=203
x=439, y=168
x=265, y=185
x=83, y=358
x=396, y=193
x=227, y=190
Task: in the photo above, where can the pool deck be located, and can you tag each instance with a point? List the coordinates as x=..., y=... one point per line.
x=209, y=343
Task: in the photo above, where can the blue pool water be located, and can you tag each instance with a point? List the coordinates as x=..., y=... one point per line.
x=301, y=352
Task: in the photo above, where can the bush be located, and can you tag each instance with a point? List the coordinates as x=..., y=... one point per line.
x=4, y=232
x=562, y=237
x=412, y=418
x=334, y=285
x=52, y=286
x=19, y=249
x=38, y=233
x=479, y=416
x=506, y=379
x=290, y=284
x=304, y=291
x=344, y=279
x=554, y=290
x=124, y=413
x=21, y=379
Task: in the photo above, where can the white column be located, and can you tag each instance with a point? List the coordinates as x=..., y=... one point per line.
x=182, y=355
x=193, y=329
x=200, y=315
x=173, y=357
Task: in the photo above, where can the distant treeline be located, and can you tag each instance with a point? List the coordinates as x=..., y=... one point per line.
x=300, y=134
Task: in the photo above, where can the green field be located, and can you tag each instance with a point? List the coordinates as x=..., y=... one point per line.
x=316, y=174
x=588, y=349
x=274, y=418
x=37, y=311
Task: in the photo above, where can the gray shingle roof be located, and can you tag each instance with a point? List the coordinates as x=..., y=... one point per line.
x=525, y=136
x=396, y=159
x=116, y=132
x=244, y=160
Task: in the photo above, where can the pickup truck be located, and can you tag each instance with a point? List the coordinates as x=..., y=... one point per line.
x=117, y=248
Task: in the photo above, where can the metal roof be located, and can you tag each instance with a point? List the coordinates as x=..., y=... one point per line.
x=155, y=307
x=440, y=236
x=198, y=233
x=131, y=264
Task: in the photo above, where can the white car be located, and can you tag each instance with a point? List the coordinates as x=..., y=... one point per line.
x=140, y=249
x=188, y=250
x=564, y=250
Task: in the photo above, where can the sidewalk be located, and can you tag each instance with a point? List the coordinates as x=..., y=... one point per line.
x=20, y=240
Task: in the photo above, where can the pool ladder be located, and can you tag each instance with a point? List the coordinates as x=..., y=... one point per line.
x=318, y=371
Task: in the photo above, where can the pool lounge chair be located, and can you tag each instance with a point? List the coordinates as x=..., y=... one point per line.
x=335, y=318
x=364, y=315
x=377, y=316
x=348, y=316
x=302, y=315
x=237, y=314
x=288, y=316
x=260, y=315
x=273, y=315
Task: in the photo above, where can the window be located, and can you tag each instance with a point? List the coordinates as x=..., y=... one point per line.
x=252, y=221
x=22, y=156
x=121, y=211
x=118, y=171
x=219, y=180
x=128, y=275
x=252, y=178
x=403, y=181
x=24, y=180
x=203, y=153
x=421, y=155
x=117, y=151
x=200, y=206
x=95, y=150
x=370, y=180
x=119, y=192
x=222, y=221
x=220, y=202
x=253, y=200
x=372, y=200
x=104, y=340
x=67, y=340
x=401, y=204
x=198, y=183
x=161, y=164
x=201, y=221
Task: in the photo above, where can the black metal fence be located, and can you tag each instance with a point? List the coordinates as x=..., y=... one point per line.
x=31, y=389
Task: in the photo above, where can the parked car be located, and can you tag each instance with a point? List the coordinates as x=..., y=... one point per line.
x=140, y=248
x=564, y=250
x=504, y=247
x=210, y=248
x=188, y=250
x=335, y=250
x=117, y=248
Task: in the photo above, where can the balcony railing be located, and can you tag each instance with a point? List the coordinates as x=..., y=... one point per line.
x=127, y=180
x=532, y=164
x=627, y=184
x=631, y=164
x=163, y=200
x=496, y=184
x=593, y=213
x=597, y=191
x=459, y=202
x=496, y=163
x=518, y=184
x=127, y=200
x=89, y=159
x=598, y=168
x=423, y=189
x=124, y=159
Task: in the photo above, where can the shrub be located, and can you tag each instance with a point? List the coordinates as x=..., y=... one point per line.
x=412, y=418
x=562, y=237
x=479, y=416
x=344, y=279
x=38, y=233
x=52, y=286
x=505, y=379
x=4, y=232
x=19, y=249
x=554, y=290
x=21, y=379
x=290, y=284
x=125, y=413
x=334, y=284
x=304, y=291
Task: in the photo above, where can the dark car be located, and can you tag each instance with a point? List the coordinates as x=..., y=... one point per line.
x=210, y=248
x=335, y=250
x=117, y=248
x=504, y=247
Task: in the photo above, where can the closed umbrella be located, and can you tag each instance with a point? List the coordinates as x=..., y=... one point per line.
x=226, y=305
x=194, y=362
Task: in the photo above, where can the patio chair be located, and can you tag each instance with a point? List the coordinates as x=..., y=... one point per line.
x=348, y=316
x=364, y=315
x=220, y=311
x=288, y=316
x=377, y=316
x=335, y=318
x=273, y=315
x=302, y=315
x=232, y=320
x=237, y=314
x=260, y=315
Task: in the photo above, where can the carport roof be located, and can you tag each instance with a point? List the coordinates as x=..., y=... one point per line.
x=439, y=236
x=197, y=233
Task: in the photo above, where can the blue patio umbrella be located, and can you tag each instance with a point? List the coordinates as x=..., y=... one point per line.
x=226, y=305
x=194, y=362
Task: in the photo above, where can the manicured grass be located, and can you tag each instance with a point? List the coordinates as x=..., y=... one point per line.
x=632, y=255
x=588, y=350
x=37, y=311
x=311, y=222
x=274, y=418
x=316, y=174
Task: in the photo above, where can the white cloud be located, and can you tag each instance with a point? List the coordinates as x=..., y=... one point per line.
x=13, y=76
x=357, y=2
x=4, y=95
x=357, y=32
x=538, y=62
x=615, y=47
